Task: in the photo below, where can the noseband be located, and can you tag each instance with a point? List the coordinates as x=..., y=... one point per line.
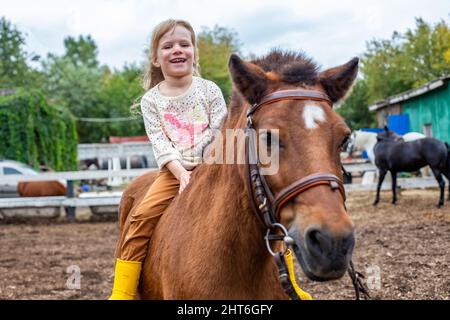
x=266, y=205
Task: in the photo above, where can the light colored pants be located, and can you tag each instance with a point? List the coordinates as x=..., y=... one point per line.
x=147, y=214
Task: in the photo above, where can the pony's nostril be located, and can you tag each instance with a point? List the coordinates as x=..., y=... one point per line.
x=318, y=242
x=321, y=243
x=313, y=241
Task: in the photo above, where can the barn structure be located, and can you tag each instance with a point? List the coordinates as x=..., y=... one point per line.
x=425, y=109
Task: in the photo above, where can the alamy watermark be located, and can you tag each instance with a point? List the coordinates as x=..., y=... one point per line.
x=264, y=148
x=74, y=280
x=373, y=277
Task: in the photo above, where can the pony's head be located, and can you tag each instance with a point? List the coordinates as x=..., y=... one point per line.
x=388, y=135
x=310, y=135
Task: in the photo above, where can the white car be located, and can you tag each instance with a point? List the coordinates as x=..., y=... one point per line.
x=8, y=167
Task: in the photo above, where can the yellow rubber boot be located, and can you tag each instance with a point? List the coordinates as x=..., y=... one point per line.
x=126, y=280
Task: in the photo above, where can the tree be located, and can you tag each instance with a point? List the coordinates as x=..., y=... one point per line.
x=355, y=108
x=407, y=60
x=74, y=80
x=119, y=92
x=76, y=87
x=215, y=47
x=14, y=71
x=81, y=51
x=426, y=50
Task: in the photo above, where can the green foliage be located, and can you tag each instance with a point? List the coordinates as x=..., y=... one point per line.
x=215, y=47
x=395, y=65
x=118, y=93
x=75, y=87
x=354, y=109
x=74, y=81
x=35, y=132
x=407, y=61
x=77, y=82
x=81, y=51
x=14, y=71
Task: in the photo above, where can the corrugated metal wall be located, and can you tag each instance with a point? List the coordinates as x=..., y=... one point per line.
x=431, y=108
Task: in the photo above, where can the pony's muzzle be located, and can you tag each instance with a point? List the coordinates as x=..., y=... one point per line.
x=328, y=254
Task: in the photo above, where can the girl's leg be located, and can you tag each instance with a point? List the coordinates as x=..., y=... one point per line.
x=144, y=219
x=142, y=223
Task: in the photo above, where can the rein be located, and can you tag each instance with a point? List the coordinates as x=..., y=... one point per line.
x=267, y=206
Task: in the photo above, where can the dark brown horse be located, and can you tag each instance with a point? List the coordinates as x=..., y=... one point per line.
x=393, y=154
x=209, y=244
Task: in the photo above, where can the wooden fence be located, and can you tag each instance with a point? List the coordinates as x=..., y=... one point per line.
x=71, y=202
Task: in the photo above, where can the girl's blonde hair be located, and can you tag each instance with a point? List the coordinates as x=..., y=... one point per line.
x=152, y=74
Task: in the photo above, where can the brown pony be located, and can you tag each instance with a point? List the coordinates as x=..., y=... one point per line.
x=41, y=189
x=209, y=244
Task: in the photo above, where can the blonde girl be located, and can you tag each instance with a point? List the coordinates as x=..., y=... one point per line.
x=179, y=110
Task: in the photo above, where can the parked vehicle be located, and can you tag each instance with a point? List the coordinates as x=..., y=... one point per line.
x=8, y=167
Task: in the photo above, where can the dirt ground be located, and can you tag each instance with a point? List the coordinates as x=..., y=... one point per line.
x=403, y=250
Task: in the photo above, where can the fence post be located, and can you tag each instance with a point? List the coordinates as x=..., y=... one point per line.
x=70, y=213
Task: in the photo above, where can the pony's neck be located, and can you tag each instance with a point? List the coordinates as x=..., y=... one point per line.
x=242, y=264
x=244, y=235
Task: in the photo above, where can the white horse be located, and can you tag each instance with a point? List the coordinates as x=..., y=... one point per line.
x=365, y=141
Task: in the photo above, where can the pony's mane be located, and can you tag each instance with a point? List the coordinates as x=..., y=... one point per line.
x=292, y=67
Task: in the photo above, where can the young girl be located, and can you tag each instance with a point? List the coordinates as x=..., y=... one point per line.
x=179, y=111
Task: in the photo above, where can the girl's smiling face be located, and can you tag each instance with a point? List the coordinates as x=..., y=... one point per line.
x=175, y=54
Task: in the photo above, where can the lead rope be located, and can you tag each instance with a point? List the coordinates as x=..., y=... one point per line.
x=284, y=276
x=358, y=284
x=303, y=295
x=285, y=264
x=287, y=277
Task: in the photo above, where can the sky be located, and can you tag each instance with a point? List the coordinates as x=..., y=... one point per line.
x=331, y=32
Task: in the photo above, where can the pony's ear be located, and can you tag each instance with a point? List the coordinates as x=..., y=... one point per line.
x=338, y=80
x=248, y=78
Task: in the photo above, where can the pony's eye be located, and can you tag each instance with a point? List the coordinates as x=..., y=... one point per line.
x=344, y=142
x=271, y=139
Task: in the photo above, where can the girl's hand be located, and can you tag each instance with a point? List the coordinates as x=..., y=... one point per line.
x=184, y=180
x=180, y=173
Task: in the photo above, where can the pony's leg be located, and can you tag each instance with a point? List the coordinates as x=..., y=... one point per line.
x=438, y=175
x=394, y=187
x=382, y=174
x=447, y=174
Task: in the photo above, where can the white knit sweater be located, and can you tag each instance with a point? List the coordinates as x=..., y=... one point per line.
x=179, y=128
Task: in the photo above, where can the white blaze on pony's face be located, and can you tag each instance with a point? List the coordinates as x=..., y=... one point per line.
x=312, y=115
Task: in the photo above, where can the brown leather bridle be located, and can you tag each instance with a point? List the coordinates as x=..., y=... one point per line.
x=264, y=203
